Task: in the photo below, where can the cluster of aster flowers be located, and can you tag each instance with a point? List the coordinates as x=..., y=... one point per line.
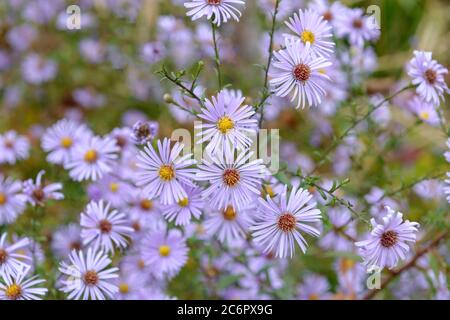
x=152, y=210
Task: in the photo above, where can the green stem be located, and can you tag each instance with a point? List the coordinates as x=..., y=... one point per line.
x=217, y=57
x=265, y=93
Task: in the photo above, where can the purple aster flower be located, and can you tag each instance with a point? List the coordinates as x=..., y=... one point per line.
x=114, y=190
x=343, y=229
x=130, y=286
x=351, y=277
x=429, y=189
x=279, y=223
x=428, y=75
x=184, y=210
x=36, y=70
x=220, y=10
x=104, y=228
x=92, y=158
x=308, y=26
x=357, y=27
x=330, y=12
x=144, y=131
x=425, y=111
x=388, y=241
x=88, y=277
x=123, y=137
x=12, y=201
x=229, y=123
x=314, y=287
x=66, y=239
x=42, y=11
x=18, y=286
x=164, y=252
x=38, y=193
x=165, y=173
x=13, y=147
x=152, y=52
x=233, y=179
x=296, y=72
x=11, y=258
x=92, y=50
x=88, y=98
x=21, y=37
x=229, y=224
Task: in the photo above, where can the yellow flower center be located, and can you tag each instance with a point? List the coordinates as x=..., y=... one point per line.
x=307, y=36
x=2, y=198
x=166, y=172
x=424, y=115
x=146, y=204
x=66, y=142
x=225, y=124
x=124, y=288
x=346, y=265
x=114, y=187
x=13, y=292
x=231, y=177
x=229, y=213
x=164, y=250
x=91, y=156
x=183, y=202
x=268, y=191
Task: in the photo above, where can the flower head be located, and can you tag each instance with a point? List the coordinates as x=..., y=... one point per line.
x=60, y=139
x=37, y=193
x=144, y=131
x=92, y=159
x=12, y=201
x=11, y=258
x=388, y=241
x=165, y=252
x=234, y=180
x=279, y=223
x=163, y=174
x=428, y=75
x=298, y=73
x=184, y=210
x=220, y=10
x=13, y=147
x=18, y=286
x=309, y=26
x=104, y=228
x=88, y=276
x=66, y=239
x=228, y=123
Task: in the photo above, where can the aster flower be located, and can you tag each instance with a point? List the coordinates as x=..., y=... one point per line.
x=12, y=201
x=11, y=260
x=66, y=239
x=92, y=159
x=37, y=70
x=37, y=192
x=123, y=137
x=163, y=174
x=229, y=224
x=184, y=210
x=229, y=123
x=60, y=139
x=104, y=228
x=130, y=287
x=113, y=190
x=144, y=131
x=18, y=286
x=165, y=252
x=308, y=26
x=425, y=111
x=330, y=12
x=279, y=223
x=343, y=229
x=296, y=72
x=428, y=75
x=152, y=52
x=87, y=277
x=388, y=241
x=13, y=147
x=233, y=179
x=221, y=10
x=357, y=27
x=314, y=287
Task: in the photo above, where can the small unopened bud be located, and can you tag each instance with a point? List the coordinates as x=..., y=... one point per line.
x=168, y=98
